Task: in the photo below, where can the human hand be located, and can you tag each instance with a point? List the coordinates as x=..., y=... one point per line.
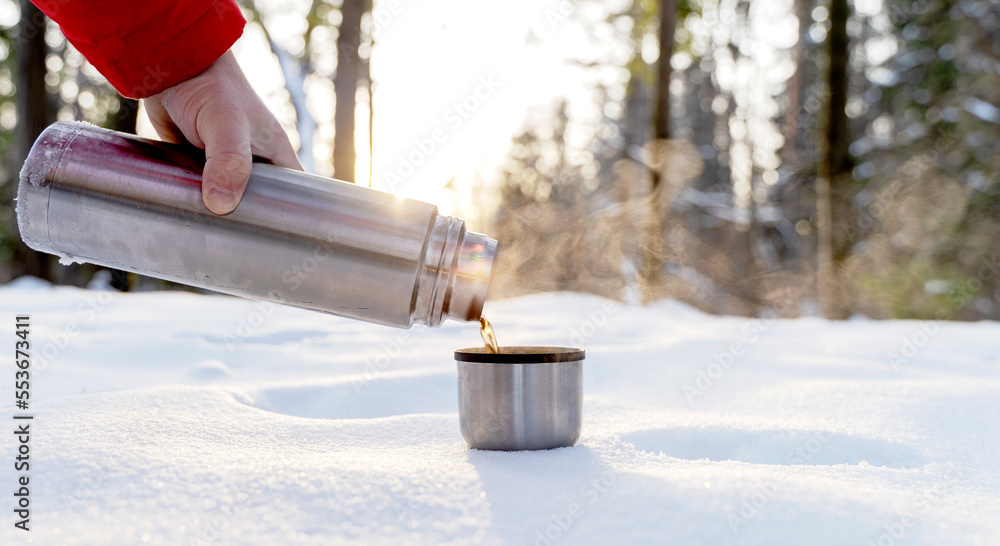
x=220, y=113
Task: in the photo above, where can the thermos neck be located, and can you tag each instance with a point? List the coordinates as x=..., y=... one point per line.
x=455, y=273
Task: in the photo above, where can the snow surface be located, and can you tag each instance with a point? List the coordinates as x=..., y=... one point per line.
x=175, y=418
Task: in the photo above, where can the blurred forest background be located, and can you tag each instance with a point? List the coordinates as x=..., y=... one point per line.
x=802, y=156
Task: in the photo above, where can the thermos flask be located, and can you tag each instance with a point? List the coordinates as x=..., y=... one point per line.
x=93, y=195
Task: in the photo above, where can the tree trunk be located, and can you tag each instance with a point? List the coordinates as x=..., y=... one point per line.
x=35, y=111
x=796, y=84
x=832, y=186
x=668, y=21
x=345, y=85
x=654, y=253
x=837, y=137
x=366, y=81
x=128, y=115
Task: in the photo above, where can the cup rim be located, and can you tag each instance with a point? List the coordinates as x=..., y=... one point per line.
x=520, y=355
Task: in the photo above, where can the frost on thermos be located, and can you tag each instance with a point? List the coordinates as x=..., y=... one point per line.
x=93, y=195
x=35, y=183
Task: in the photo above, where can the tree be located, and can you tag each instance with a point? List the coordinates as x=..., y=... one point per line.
x=668, y=24
x=43, y=78
x=345, y=85
x=294, y=71
x=929, y=195
x=833, y=183
x=35, y=111
x=654, y=255
x=796, y=85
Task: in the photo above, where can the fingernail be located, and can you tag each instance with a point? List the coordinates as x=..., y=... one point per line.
x=221, y=201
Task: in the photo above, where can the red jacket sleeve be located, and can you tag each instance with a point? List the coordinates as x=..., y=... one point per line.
x=144, y=46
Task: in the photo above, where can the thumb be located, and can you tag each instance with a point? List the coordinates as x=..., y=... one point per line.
x=226, y=136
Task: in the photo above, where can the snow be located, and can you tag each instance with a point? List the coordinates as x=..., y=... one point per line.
x=176, y=418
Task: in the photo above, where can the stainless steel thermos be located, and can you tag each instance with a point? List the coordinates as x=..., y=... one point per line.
x=117, y=200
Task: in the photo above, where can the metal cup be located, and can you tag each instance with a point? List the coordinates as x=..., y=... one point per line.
x=521, y=398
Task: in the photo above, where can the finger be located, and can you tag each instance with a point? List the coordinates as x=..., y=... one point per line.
x=271, y=142
x=226, y=135
x=160, y=119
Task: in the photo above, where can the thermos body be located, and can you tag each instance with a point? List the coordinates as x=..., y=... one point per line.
x=121, y=201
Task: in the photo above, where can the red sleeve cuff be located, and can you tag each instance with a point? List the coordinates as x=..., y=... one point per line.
x=180, y=58
x=143, y=58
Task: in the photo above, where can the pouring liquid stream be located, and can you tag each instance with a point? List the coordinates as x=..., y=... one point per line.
x=489, y=337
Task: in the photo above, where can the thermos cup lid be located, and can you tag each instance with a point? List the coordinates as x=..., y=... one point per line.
x=520, y=355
